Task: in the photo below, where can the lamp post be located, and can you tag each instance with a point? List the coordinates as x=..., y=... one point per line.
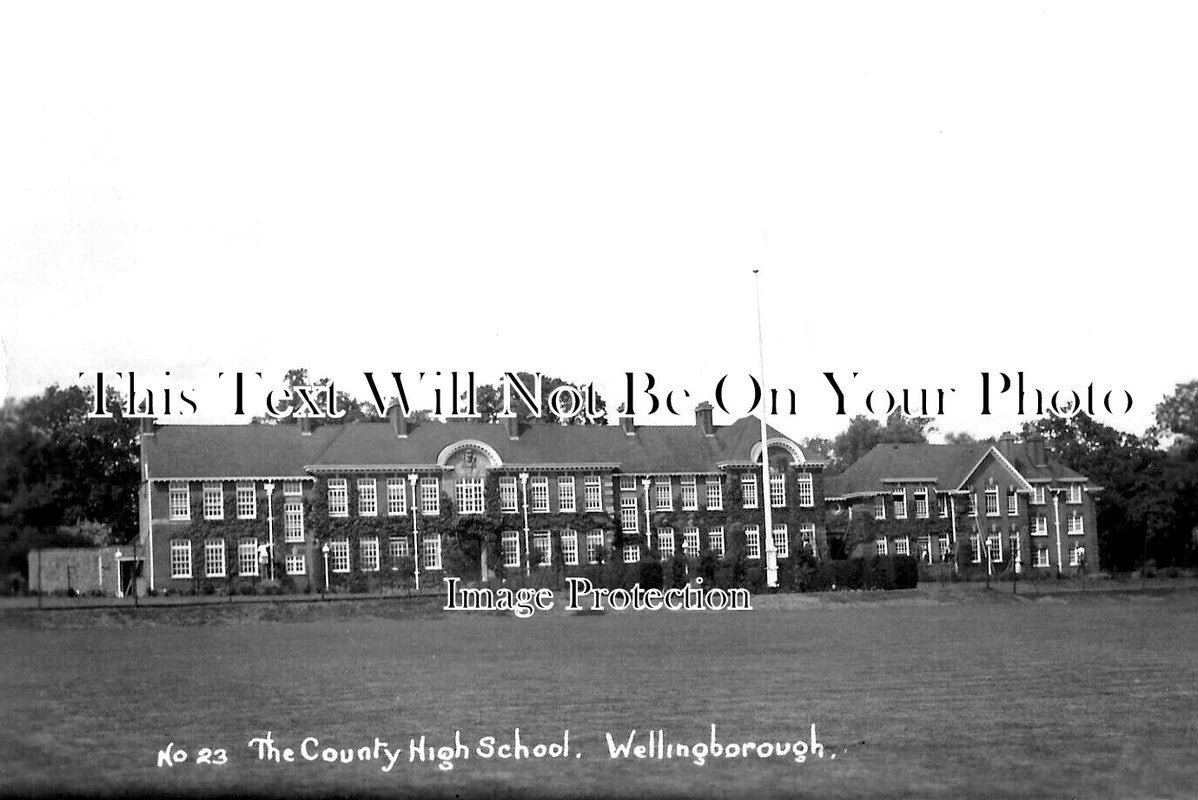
x=270, y=525
x=524, y=494
x=412, y=476
x=1056, y=516
x=771, y=552
x=115, y=557
x=645, y=481
x=325, y=552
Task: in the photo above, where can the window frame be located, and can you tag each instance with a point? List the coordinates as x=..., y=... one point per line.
x=173, y=497
x=368, y=497
x=337, y=496
x=181, y=566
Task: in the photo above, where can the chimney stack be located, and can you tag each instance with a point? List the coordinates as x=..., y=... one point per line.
x=703, y=418
x=1035, y=443
x=146, y=426
x=399, y=420
x=627, y=424
x=1006, y=445
x=305, y=425
x=512, y=424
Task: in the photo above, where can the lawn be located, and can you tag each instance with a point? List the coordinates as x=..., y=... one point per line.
x=1086, y=695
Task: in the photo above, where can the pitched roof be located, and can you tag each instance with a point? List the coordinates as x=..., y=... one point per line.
x=948, y=464
x=199, y=451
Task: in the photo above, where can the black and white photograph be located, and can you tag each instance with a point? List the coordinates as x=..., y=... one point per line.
x=548, y=399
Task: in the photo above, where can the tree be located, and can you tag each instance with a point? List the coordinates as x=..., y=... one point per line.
x=355, y=410
x=1177, y=418
x=864, y=433
x=490, y=403
x=959, y=437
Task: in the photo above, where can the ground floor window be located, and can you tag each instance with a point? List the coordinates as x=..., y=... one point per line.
x=339, y=555
x=180, y=558
x=570, y=548
x=632, y=554
x=925, y=549
x=368, y=554
x=781, y=541
x=902, y=546
x=690, y=542
x=247, y=557
x=430, y=552
x=715, y=541
x=594, y=543
x=510, y=543
x=1077, y=555
x=214, y=558
x=399, y=547
x=665, y=542
x=542, y=541
x=1042, y=557
x=296, y=564
x=880, y=546
x=752, y=541
x=807, y=538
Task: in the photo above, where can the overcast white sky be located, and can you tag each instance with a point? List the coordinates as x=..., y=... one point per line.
x=931, y=190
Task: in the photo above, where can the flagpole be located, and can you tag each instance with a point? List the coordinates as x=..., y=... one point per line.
x=771, y=552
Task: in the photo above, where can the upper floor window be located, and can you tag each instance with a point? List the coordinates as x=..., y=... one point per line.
x=629, y=517
x=748, y=490
x=469, y=495
x=880, y=507
x=627, y=483
x=338, y=497
x=180, y=500
x=247, y=501
x=539, y=493
x=509, y=499
x=664, y=492
x=430, y=496
x=690, y=493
x=806, y=490
x=900, y=503
x=992, y=501
x=777, y=488
x=921, y=503
x=214, y=501
x=973, y=504
x=293, y=488
x=715, y=494
x=293, y=521
x=1076, y=525
x=368, y=499
x=1041, y=526
x=567, y=501
x=1012, y=503
x=593, y=494
x=1075, y=493
x=397, y=497
x=1038, y=495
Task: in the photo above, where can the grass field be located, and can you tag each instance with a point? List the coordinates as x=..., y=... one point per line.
x=984, y=695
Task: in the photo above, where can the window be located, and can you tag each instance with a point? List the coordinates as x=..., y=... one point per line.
x=1075, y=525
x=1075, y=493
x=509, y=500
x=214, y=558
x=1077, y=554
x=690, y=493
x=368, y=554
x=752, y=541
x=627, y=483
x=806, y=490
x=632, y=554
x=1041, y=528
x=664, y=493
x=247, y=501
x=880, y=507
x=942, y=501
x=994, y=545
x=594, y=544
x=1042, y=557
x=902, y=546
x=293, y=521
x=338, y=498
x=570, y=548
x=1012, y=503
x=807, y=537
x=247, y=556
x=214, y=501
x=925, y=549
x=973, y=504
x=398, y=547
x=715, y=541
x=629, y=517
x=539, y=492
x=593, y=491
x=543, y=542
x=339, y=555
x=900, y=503
x=777, y=488
x=921, y=503
x=665, y=542
x=781, y=541
x=511, y=548
x=397, y=497
x=880, y=546
x=690, y=542
x=180, y=558
x=368, y=498
x=567, y=501
x=975, y=547
x=943, y=542
x=748, y=490
x=430, y=496
x=469, y=495
x=715, y=494
x=296, y=563
x=180, y=500
x=293, y=488
x=430, y=551
x=1038, y=495
x=992, y=501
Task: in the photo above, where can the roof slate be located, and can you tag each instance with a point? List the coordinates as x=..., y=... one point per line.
x=199, y=451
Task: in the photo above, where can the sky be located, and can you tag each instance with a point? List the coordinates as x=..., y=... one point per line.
x=931, y=191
